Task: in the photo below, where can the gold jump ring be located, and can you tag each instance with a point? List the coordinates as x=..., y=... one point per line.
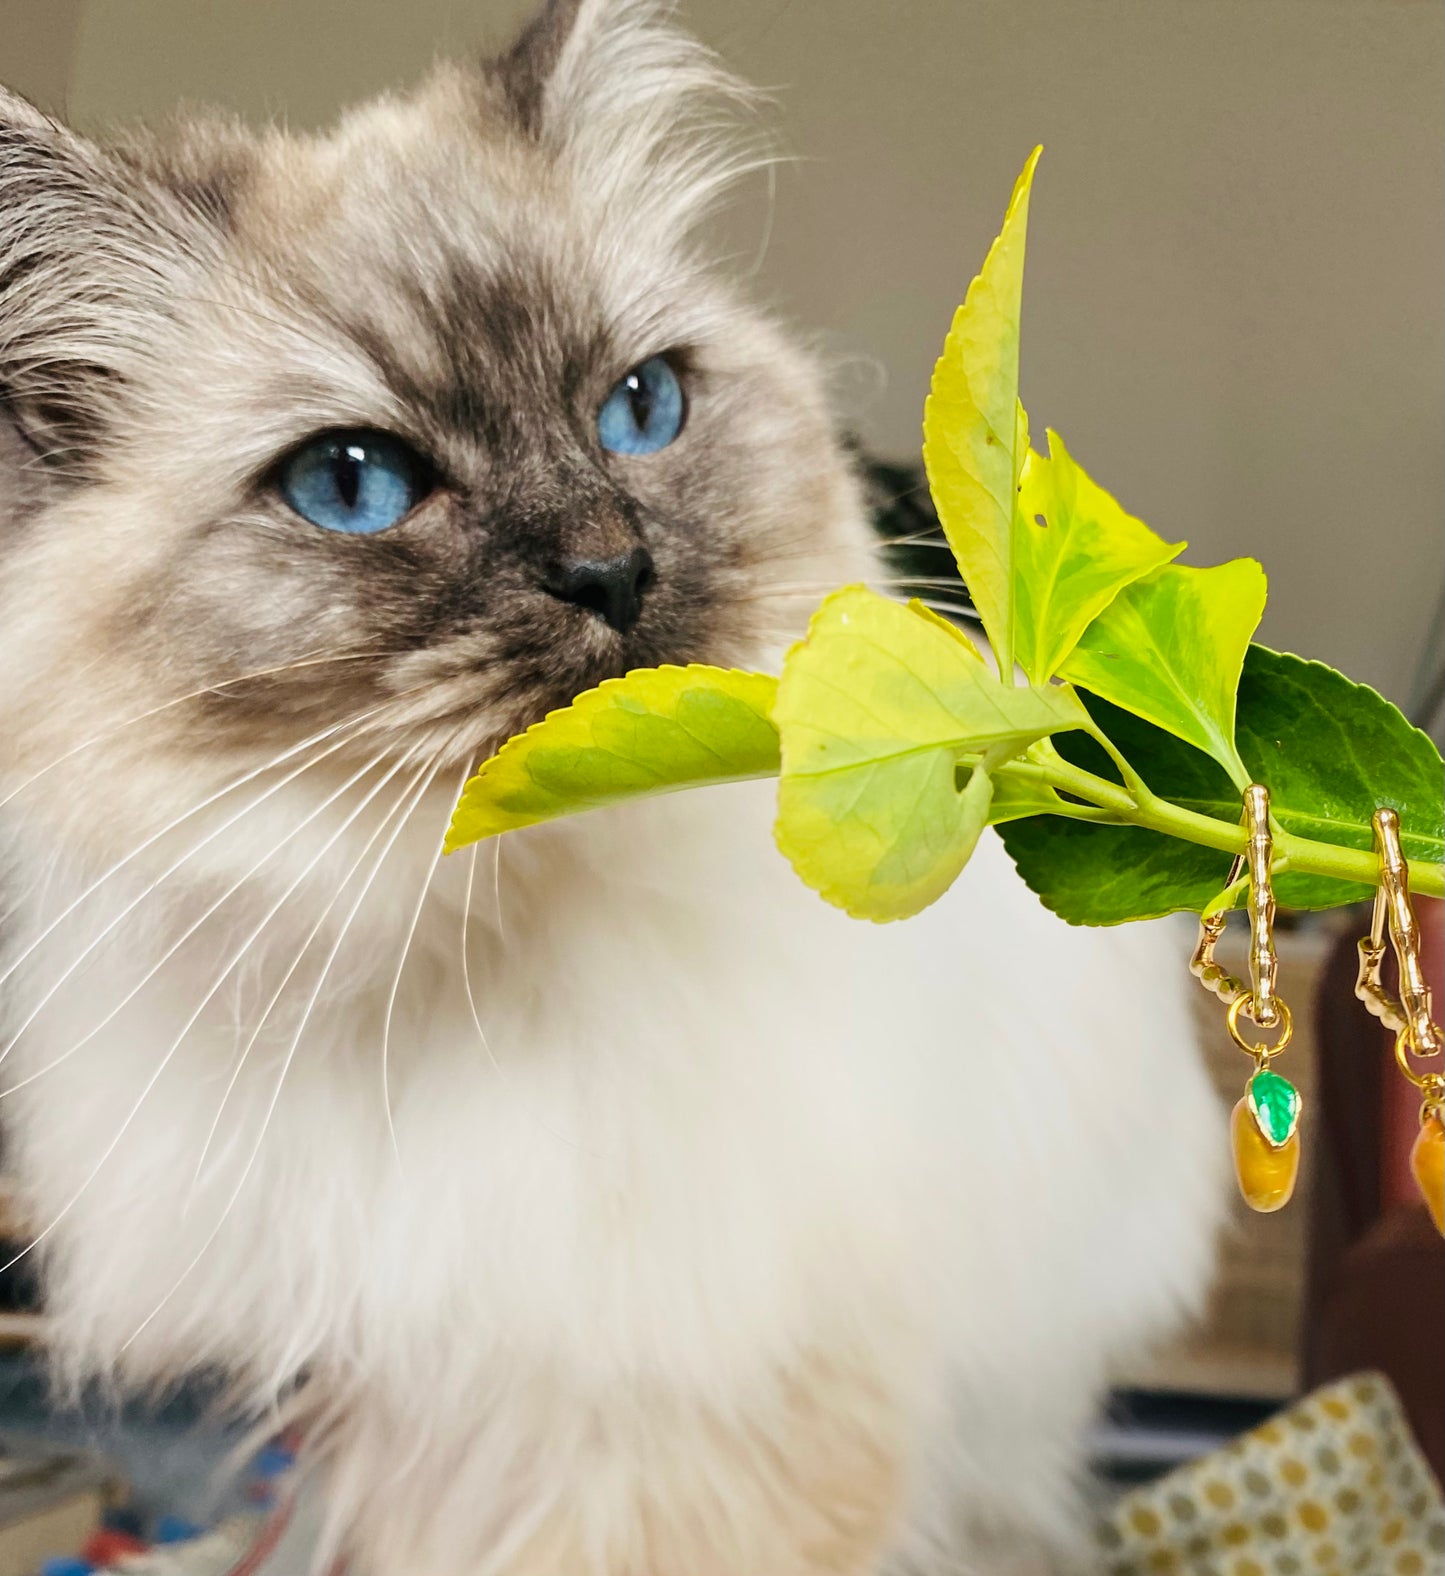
x=1284, y=1020
x=1432, y=1083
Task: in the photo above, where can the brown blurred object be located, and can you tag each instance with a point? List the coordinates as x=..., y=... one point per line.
x=1376, y=1294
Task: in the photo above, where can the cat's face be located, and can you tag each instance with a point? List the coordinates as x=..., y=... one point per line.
x=437, y=414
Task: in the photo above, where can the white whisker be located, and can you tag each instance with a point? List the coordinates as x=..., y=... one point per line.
x=230, y=892
x=922, y=539
x=908, y=585
x=180, y=820
x=951, y=609
x=206, y=689
x=400, y=969
x=888, y=582
x=117, y=919
x=427, y=777
x=467, y=985
x=301, y=951
x=467, y=957
x=771, y=171
x=124, y=1127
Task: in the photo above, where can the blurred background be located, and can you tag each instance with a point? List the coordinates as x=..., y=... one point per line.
x=1234, y=316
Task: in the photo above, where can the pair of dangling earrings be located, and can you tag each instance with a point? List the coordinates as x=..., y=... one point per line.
x=1264, y=1126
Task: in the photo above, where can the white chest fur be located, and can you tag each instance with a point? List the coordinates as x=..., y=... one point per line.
x=716, y=1136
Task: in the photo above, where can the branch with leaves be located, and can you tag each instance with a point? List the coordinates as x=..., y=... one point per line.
x=1110, y=739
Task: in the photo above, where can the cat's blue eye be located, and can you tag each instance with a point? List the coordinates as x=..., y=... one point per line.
x=357, y=482
x=644, y=412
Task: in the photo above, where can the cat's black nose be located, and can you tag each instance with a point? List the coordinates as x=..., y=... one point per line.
x=613, y=588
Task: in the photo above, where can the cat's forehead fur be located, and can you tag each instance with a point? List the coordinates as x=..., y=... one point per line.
x=505, y=227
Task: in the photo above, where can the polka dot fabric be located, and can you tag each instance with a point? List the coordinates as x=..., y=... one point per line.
x=1334, y=1487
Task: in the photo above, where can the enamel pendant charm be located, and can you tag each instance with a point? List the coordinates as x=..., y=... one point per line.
x=1265, y=1133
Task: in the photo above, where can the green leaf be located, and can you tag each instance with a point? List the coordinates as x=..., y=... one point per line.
x=650, y=732
x=1329, y=750
x=879, y=711
x=1075, y=550
x=975, y=434
x=885, y=841
x=1275, y=1104
x=1170, y=648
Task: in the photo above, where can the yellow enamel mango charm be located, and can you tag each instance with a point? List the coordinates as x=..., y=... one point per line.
x=1427, y=1162
x=1264, y=1130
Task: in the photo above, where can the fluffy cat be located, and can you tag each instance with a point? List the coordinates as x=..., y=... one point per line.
x=605, y=1204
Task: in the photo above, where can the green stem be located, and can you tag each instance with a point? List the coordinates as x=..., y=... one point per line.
x=1138, y=788
x=1305, y=856
x=1229, y=898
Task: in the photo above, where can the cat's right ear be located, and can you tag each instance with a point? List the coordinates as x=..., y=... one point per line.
x=50, y=199
x=80, y=249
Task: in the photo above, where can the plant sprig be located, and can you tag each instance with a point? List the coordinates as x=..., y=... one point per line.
x=1110, y=741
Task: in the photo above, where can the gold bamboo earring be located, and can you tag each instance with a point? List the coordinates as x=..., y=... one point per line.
x=1264, y=1126
x=1417, y=1035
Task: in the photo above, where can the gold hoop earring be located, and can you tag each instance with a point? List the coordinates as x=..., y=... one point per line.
x=1264, y=1125
x=1417, y=1036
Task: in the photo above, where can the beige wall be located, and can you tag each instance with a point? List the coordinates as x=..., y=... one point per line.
x=37, y=48
x=1234, y=305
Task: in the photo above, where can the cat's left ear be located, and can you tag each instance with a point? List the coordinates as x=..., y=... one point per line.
x=578, y=60
x=525, y=71
x=636, y=105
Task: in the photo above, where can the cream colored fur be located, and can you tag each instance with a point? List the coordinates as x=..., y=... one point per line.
x=752, y=1239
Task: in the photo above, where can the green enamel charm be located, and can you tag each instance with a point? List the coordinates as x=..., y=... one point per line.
x=1274, y=1102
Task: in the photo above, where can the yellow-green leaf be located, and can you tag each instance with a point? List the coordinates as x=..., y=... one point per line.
x=1075, y=549
x=975, y=433
x=882, y=713
x=652, y=731
x=1170, y=649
